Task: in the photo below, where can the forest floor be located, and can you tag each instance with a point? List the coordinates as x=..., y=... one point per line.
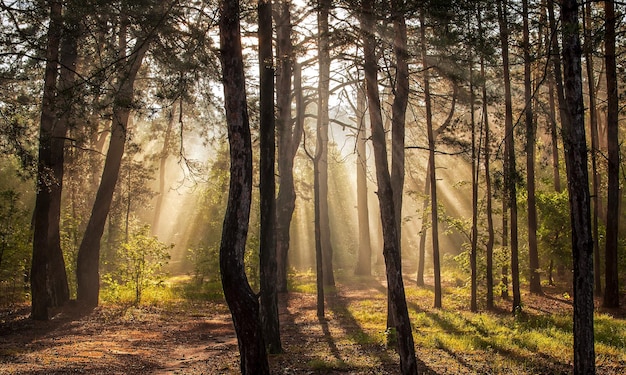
x=192, y=337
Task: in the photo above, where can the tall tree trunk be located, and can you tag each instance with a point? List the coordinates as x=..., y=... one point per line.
x=593, y=125
x=488, y=192
x=533, y=252
x=87, y=271
x=431, y=165
x=242, y=301
x=43, y=280
x=578, y=185
x=267, y=184
x=289, y=137
x=511, y=170
x=162, y=165
x=364, y=260
x=323, y=50
x=391, y=246
x=398, y=120
x=398, y=109
x=611, y=291
x=475, y=168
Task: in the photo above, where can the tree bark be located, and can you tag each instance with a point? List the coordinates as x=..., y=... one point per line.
x=242, y=301
x=533, y=252
x=46, y=291
x=87, y=271
x=475, y=175
x=162, y=164
x=510, y=170
x=431, y=165
x=488, y=192
x=364, y=260
x=323, y=49
x=578, y=186
x=267, y=183
x=391, y=246
x=289, y=137
x=611, y=289
x=593, y=125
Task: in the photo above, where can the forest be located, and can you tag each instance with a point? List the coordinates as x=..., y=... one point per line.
x=312, y=186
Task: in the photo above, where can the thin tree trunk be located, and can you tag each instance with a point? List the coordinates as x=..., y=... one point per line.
x=242, y=301
x=511, y=170
x=422, y=244
x=288, y=140
x=431, y=166
x=87, y=271
x=162, y=164
x=398, y=120
x=323, y=49
x=267, y=184
x=488, y=194
x=579, y=200
x=611, y=291
x=391, y=247
x=533, y=252
x=364, y=261
x=475, y=168
x=593, y=124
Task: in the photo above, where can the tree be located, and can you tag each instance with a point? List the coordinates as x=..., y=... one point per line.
x=578, y=186
x=391, y=240
x=487, y=152
x=267, y=183
x=323, y=48
x=611, y=289
x=242, y=301
x=364, y=259
x=533, y=252
x=88, y=276
x=48, y=278
x=593, y=125
x=289, y=136
x=431, y=165
x=510, y=169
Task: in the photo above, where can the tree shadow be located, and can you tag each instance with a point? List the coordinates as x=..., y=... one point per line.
x=339, y=305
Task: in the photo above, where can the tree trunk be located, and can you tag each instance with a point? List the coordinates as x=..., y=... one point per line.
x=288, y=140
x=611, y=291
x=422, y=245
x=533, y=252
x=162, y=164
x=267, y=183
x=87, y=271
x=242, y=301
x=391, y=246
x=578, y=184
x=44, y=289
x=431, y=166
x=510, y=170
x=488, y=192
x=593, y=125
x=323, y=50
x=364, y=261
x=475, y=168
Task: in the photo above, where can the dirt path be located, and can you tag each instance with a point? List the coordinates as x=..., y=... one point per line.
x=198, y=338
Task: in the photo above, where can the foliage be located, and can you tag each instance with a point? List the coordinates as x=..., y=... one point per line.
x=554, y=226
x=15, y=245
x=140, y=263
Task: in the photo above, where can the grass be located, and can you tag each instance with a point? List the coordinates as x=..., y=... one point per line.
x=530, y=341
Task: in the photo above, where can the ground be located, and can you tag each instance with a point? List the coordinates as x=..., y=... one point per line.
x=198, y=337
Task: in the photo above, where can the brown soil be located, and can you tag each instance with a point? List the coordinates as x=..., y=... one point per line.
x=198, y=338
